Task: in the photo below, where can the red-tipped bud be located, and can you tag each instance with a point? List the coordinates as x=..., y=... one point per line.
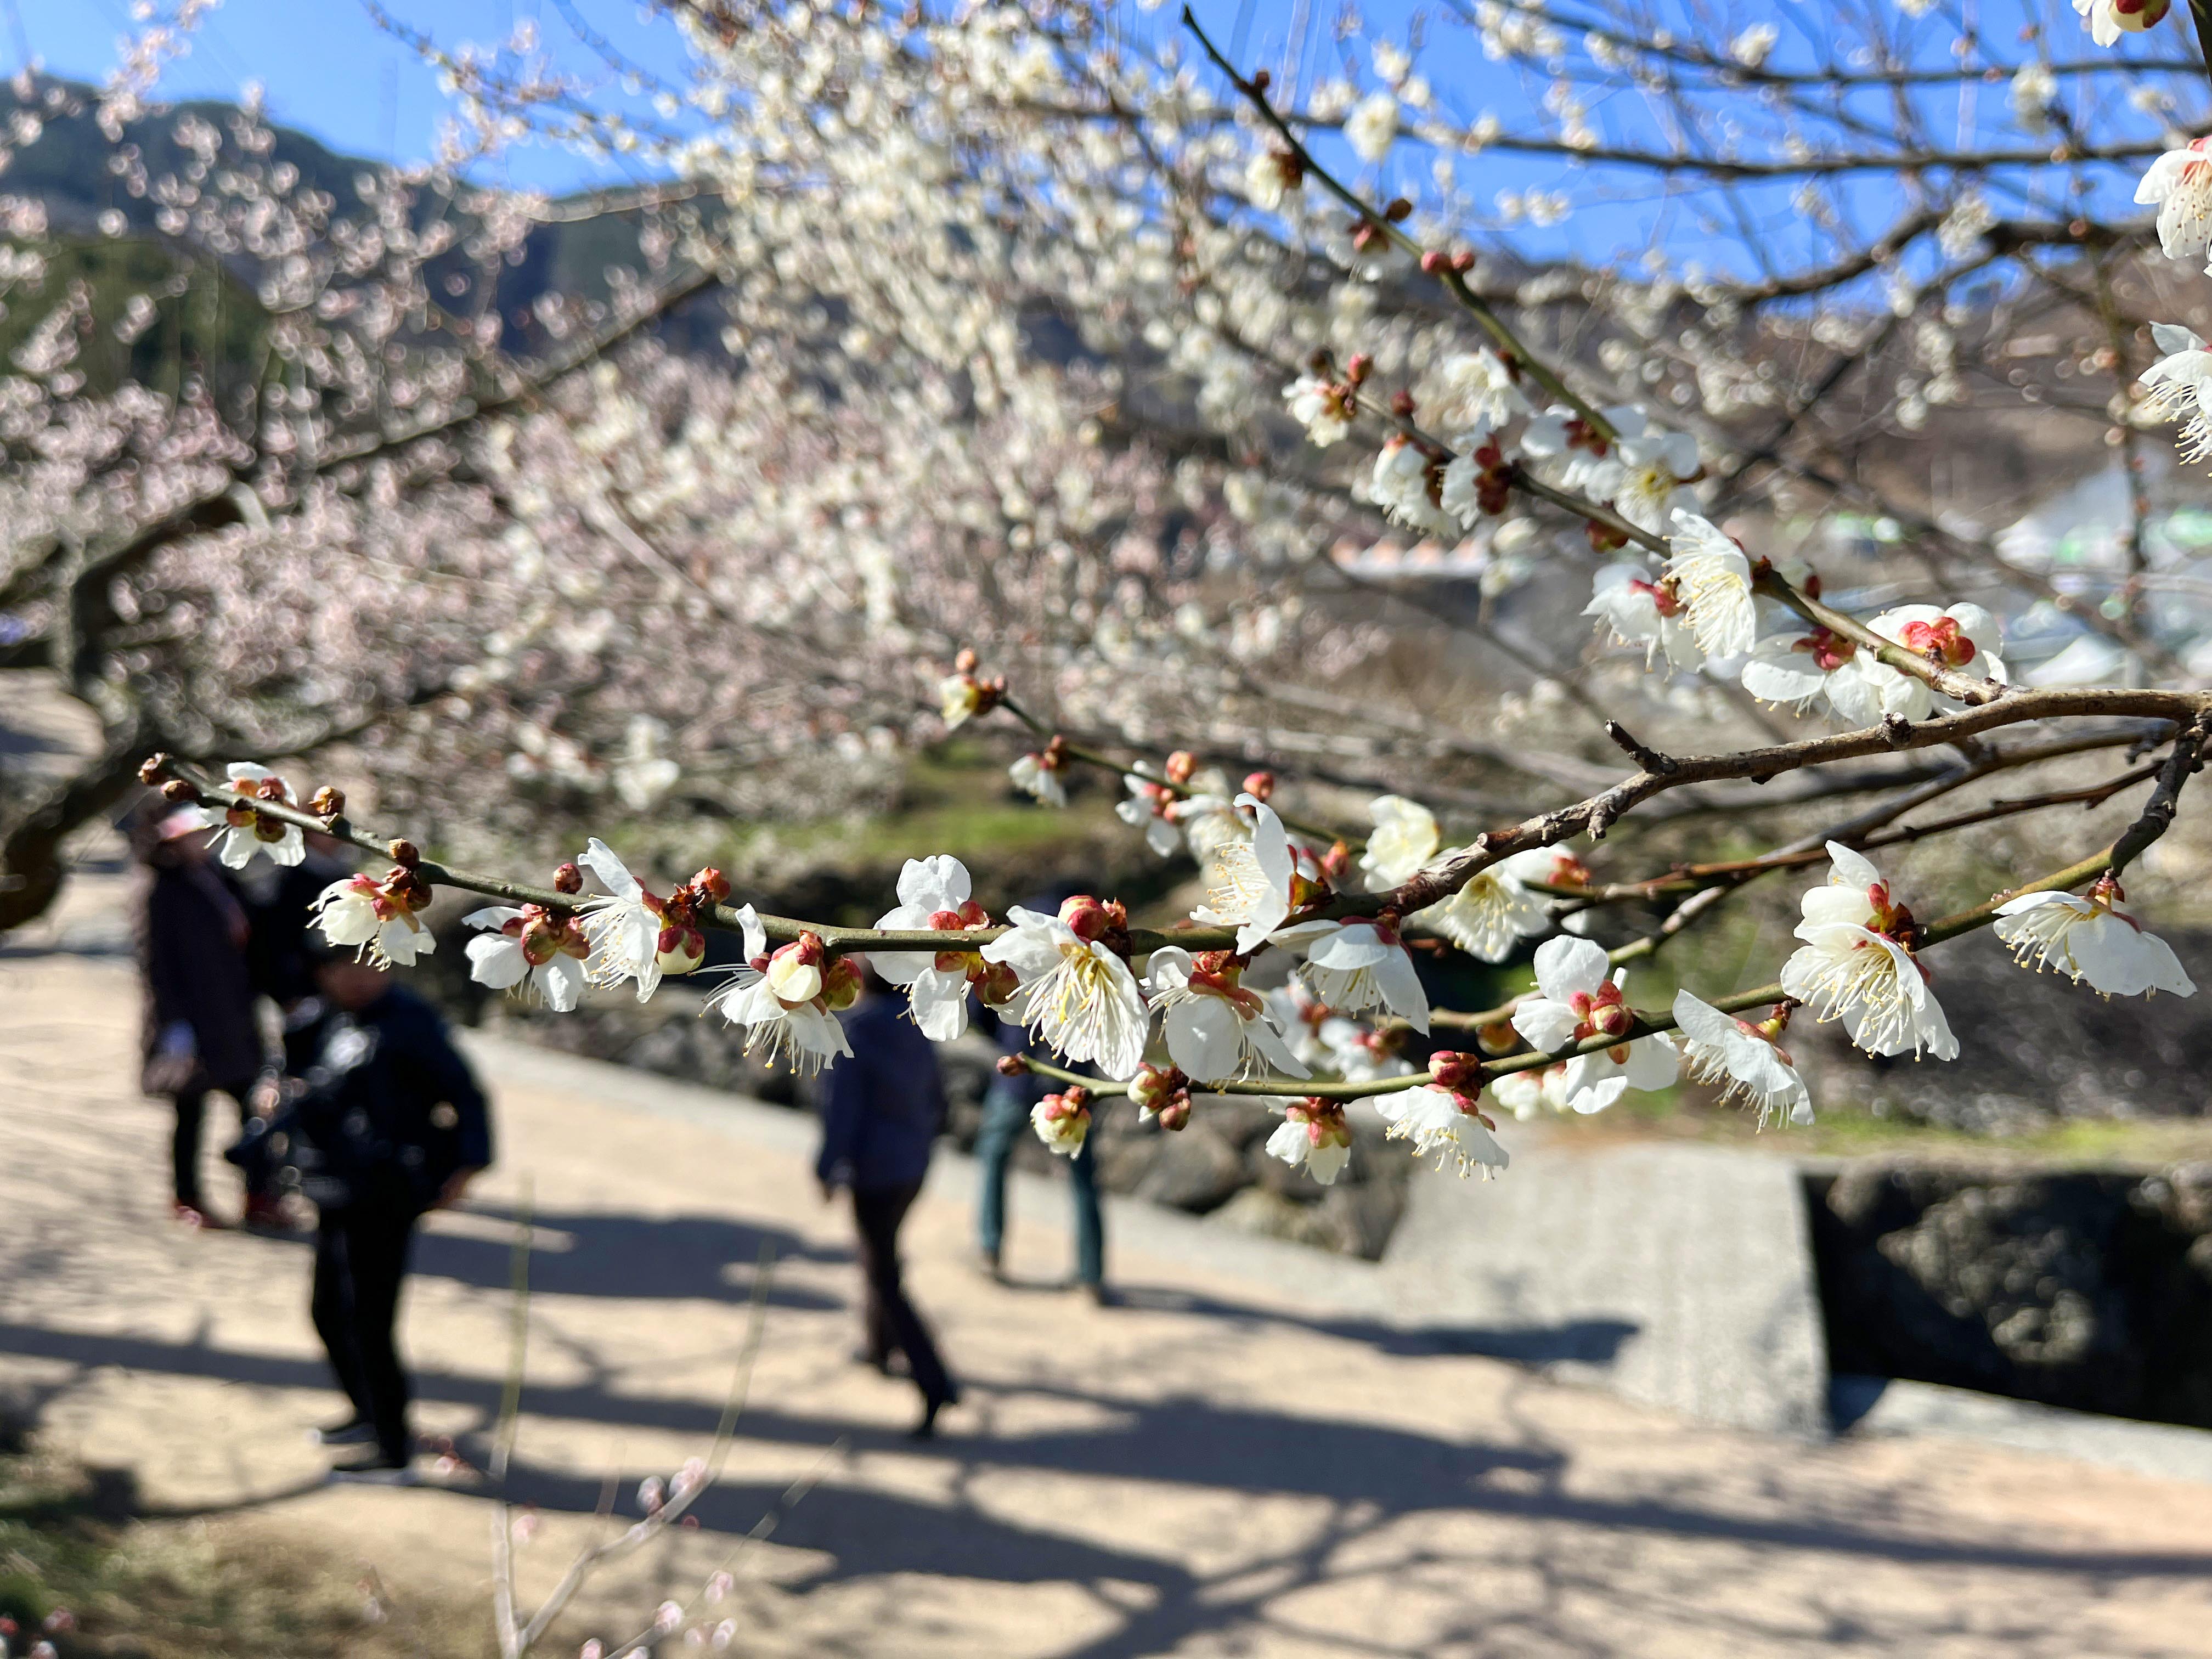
x=1403, y=404
x=840, y=984
x=1261, y=786
x=1013, y=1065
x=155, y=768
x=404, y=854
x=998, y=984
x=1336, y=862
x=713, y=883
x=1434, y=263
x=1260, y=80
x=965, y=662
x=1450, y=1070
x=1154, y=1084
x=177, y=790
x=327, y=802
x=1360, y=368
x=567, y=879
x=269, y=789
x=1175, y=1112
x=1086, y=917
x=1462, y=262
x=1181, y=767
x=1399, y=210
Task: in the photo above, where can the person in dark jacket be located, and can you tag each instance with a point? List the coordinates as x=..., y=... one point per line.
x=200, y=1035
x=883, y=1110
x=394, y=1125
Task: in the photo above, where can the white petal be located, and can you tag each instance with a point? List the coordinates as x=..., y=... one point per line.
x=493, y=916
x=497, y=961
x=1701, y=1021
x=1400, y=982
x=1545, y=1026
x=1204, y=1037
x=614, y=875
x=940, y=1000
x=1566, y=966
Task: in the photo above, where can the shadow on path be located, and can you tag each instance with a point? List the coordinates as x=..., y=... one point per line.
x=705, y=1258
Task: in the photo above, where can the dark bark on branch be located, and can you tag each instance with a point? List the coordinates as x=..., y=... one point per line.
x=32, y=869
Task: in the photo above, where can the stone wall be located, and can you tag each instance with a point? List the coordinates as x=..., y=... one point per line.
x=2092, y=1291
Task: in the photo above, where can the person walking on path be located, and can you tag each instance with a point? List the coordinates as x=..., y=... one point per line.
x=200, y=1034
x=881, y=1115
x=1006, y=1104
x=394, y=1124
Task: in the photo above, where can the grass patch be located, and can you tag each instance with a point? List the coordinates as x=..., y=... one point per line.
x=123, y=1587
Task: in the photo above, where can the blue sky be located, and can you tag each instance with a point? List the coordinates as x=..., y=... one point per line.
x=330, y=71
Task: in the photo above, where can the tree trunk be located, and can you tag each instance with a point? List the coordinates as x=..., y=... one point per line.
x=32, y=869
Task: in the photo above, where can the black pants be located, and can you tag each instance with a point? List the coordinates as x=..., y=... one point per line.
x=893, y=1326
x=184, y=1149
x=360, y=1257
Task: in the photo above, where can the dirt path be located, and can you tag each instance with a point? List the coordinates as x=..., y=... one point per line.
x=1222, y=1467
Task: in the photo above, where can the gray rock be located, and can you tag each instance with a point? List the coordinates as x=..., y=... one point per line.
x=1196, y=1168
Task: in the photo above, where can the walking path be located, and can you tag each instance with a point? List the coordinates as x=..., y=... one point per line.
x=1239, y=1461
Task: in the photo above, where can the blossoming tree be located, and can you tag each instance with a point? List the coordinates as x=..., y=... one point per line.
x=1015, y=289
x=1228, y=257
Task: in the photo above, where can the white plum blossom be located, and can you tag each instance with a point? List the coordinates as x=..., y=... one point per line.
x=782, y=1001
x=1251, y=881
x=1149, y=808
x=1441, y=1121
x=1355, y=1052
x=1063, y=1121
x=1477, y=393
x=628, y=928
x=1745, y=1060
x=1537, y=1088
x=1039, y=777
x=244, y=831
x=1794, y=664
x=1075, y=992
x=1654, y=467
x=1372, y=126
x=1215, y=1029
x=1313, y=1135
x=1575, y=1001
x=2092, y=941
x=1494, y=910
x=1751, y=47
x=1269, y=177
x=1356, y=966
x=1712, y=578
x=933, y=893
x=1641, y=611
x=2107, y=20
x=1408, y=485
x=1321, y=406
x=529, y=950
x=1855, y=966
x=2177, y=383
x=2181, y=183
x=1208, y=815
x=1963, y=639
x=1405, y=837
x=375, y=917
x=1571, y=455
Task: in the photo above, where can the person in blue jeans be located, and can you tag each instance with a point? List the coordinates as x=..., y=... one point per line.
x=1006, y=1106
